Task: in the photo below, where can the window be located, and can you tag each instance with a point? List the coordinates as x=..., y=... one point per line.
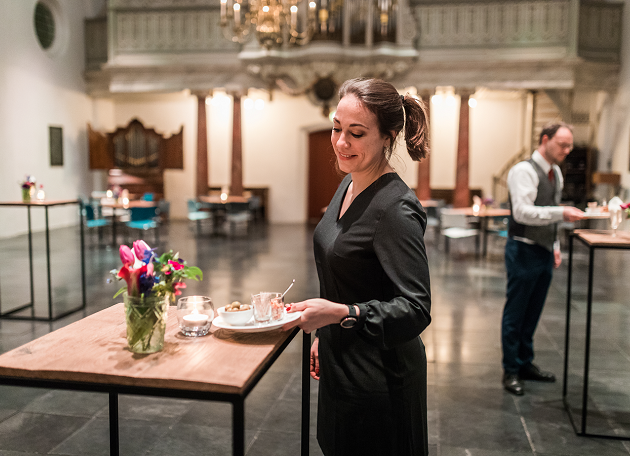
x=44, y=25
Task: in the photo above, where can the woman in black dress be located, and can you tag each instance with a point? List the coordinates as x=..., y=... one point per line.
x=374, y=284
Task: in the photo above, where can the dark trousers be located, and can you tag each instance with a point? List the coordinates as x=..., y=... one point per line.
x=529, y=271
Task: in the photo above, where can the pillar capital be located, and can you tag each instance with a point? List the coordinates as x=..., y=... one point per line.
x=465, y=91
x=201, y=93
x=426, y=93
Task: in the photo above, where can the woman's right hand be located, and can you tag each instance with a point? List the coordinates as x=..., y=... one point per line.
x=315, y=359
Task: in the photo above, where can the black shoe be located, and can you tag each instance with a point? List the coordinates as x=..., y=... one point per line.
x=513, y=384
x=532, y=372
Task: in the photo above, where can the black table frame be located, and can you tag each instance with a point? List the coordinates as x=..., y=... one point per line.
x=11, y=314
x=581, y=430
x=237, y=400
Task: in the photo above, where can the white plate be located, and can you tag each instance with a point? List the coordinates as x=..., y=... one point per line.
x=596, y=215
x=251, y=326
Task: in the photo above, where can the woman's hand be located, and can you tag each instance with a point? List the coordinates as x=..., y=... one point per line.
x=315, y=359
x=316, y=313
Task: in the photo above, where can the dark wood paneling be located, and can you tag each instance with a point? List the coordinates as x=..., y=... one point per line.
x=323, y=178
x=173, y=153
x=101, y=157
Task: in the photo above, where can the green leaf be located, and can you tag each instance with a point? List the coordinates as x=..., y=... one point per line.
x=121, y=291
x=193, y=272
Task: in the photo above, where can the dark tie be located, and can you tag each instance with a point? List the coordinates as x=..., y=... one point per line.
x=551, y=175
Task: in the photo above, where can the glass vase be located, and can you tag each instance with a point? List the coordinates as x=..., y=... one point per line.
x=26, y=195
x=146, y=322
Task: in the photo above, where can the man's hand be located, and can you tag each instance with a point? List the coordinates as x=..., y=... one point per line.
x=557, y=259
x=572, y=214
x=315, y=359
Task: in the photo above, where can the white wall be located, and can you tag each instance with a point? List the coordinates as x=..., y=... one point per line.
x=496, y=135
x=40, y=88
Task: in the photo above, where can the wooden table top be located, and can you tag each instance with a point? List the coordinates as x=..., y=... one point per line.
x=94, y=350
x=604, y=238
x=132, y=203
x=39, y=203
x=487, y=212
x=216, y=199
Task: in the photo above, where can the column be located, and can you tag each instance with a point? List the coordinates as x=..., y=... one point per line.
x=202, y=147
x=461, y=195
x=236, y=183
x=423, y=187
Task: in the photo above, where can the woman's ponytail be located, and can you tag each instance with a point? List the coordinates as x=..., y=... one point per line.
x=416, y=127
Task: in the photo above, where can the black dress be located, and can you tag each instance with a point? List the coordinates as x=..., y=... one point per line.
x=372, y=392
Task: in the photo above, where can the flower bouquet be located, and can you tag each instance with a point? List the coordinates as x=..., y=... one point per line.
x=28, y=189
x=152, y=282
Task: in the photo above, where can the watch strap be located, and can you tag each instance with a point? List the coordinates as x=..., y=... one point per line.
x=351, y=319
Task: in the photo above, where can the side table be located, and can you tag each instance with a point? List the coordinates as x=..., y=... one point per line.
x=593, y=240
x=11, y=314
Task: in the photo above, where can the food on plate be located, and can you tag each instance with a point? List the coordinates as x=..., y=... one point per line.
x=236, y=306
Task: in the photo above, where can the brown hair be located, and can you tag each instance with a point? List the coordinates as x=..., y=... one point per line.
x=393, y=112
x=551, y=129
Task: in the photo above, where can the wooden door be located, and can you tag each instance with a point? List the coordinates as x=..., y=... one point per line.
x=323, y=178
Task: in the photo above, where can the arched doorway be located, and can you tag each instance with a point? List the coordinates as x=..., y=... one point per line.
x=323, y=179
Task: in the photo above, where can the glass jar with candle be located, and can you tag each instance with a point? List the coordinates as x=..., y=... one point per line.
x=195, y=315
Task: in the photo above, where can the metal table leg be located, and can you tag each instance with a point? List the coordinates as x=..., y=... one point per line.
x=306, y=392
x=238, y=427
x=50, y=306
x=30, y=261
x=587, y=344
x=114, y=446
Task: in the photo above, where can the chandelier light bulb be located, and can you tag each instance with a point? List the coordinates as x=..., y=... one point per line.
x=436, y=99
x=472, y=102
x=265, y=9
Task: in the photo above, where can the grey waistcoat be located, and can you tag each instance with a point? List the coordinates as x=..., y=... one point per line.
x=548, y=195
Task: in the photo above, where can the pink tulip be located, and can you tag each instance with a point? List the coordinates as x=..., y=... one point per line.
x=139, y=248
x=126, y=256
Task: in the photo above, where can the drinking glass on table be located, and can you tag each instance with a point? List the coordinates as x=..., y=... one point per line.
x=261, y=303
x=615, y=219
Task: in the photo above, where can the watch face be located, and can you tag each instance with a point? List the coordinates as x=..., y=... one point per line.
x=348, y=322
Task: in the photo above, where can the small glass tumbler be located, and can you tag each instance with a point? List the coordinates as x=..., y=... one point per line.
x=195, y=315
x=277, y=306
x=261, y=303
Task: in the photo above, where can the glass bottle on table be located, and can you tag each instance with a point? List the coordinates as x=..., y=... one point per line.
x=615, y=219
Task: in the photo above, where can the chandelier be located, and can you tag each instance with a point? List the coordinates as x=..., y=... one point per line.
x=274, y=21
x=296, y=22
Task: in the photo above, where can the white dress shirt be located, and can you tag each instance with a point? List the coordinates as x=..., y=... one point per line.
x=522, y=184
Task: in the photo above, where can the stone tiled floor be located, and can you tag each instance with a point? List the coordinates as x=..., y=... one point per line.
x=469, y=413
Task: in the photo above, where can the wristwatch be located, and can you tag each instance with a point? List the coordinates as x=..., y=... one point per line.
x=351, y=319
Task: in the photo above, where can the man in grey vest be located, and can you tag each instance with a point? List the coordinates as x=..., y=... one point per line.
x=532, y=251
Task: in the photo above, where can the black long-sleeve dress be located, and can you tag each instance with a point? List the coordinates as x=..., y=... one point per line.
x=372, y=393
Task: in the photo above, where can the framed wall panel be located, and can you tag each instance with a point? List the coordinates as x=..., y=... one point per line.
x=55, y=135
